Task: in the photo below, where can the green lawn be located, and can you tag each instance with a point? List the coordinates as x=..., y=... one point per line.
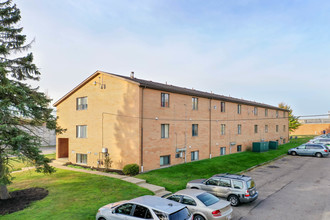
x=72, y=195
x=176, y=177
x=17, y=164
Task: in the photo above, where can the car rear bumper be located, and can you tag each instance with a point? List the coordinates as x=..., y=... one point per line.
x=249, y=199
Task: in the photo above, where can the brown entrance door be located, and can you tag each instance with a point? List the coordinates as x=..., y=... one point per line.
x=63, y=147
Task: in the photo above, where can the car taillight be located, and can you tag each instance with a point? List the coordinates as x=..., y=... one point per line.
x=247, y=194
x=325, y=150
x=216, y=213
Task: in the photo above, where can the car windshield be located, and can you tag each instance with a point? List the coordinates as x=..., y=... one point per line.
x=183, y=214
x=250, y=184
x=207, y=199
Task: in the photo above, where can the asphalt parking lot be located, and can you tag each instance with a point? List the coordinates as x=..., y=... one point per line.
x=290, y=188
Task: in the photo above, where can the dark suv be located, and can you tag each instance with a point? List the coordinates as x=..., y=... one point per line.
x=235, y=188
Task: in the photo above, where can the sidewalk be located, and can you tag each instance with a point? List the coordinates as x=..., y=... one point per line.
x=157, y=190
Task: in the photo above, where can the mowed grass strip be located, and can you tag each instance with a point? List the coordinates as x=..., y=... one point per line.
x=17, y=164
x=72, y=195
x=176, y=177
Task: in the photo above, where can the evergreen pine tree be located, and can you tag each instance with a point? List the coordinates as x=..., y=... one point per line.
x=21, y=106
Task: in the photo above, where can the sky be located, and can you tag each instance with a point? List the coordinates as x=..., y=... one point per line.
x=266, y=51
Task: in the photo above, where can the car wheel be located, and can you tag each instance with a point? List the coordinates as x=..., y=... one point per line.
x=293, y=153
x=199, y=217
x=101, y=218
x=318, y=155
x=234, y=201
x=194, y=188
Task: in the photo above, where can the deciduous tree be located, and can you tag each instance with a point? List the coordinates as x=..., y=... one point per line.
x=293, y=120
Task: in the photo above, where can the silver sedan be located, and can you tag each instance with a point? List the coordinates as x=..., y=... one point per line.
x=203, y=205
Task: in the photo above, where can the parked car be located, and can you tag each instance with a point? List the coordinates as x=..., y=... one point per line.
x=325, y=141
x=144, y=207
x=318, y=150
x=235, y=188
x=203, y=205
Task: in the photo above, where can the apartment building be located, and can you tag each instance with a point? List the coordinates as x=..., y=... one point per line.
x=156, y=125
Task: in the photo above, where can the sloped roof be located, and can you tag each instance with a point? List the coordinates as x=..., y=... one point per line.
x=193, y=92
x=173, y=89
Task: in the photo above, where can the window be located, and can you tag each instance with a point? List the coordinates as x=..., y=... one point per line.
x=188, y=201
x=283, y=114
x=195, y=130
x=82, y=103
x=266, y=112
x=195, y=103
x=276, y=113
x=283, y=127
x=165, y=130
x=175, y=198
x=239, y=109
x=266, y=128
x=224, y=182
x=125, y=209
x=142, y=212
x=223, y=129
x=207, y=199
x=255, y=111
x=81, y=131
x=165, y=160
x=223, y=106
x=255, y=128
x=239, y=148
x=276, y=128
x=222, y=150
x=211, y=181
x=165, y=100
x=81, y=158
x=239, y=129
x=237, y=184
x=194, y=155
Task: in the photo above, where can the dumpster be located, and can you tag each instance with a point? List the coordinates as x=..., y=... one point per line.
x=273, y=145
x=260, y=146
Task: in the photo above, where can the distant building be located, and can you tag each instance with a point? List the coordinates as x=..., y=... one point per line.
x=156, y=125
x=48, y=137
x=314, y=126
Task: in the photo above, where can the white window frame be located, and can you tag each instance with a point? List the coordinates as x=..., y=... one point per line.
x=162, y=160
x=81, y=158
x=239, y=129
x=222, y=106
x=223, y=129
x=194, y=155
x=222, y=151
x=239, y=109
x=194, y=103
x=81, y=103
x=194, y=130
x=165, y=100
x=81, y=131
x=165, y=131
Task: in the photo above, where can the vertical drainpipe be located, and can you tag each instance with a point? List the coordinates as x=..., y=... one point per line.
x=142, y=130
x=210, y=128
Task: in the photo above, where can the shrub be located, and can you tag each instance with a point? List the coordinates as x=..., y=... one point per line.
x=131, y=169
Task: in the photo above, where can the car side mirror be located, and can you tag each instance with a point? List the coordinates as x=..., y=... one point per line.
x=113, y=211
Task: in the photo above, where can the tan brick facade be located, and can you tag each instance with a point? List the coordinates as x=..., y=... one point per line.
x=127, y=118
x=312, y=129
